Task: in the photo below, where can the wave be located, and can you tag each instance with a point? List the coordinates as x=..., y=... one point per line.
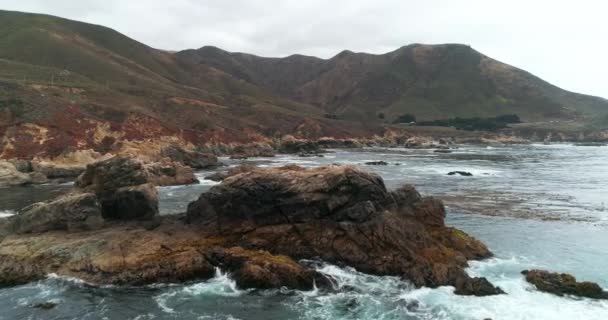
x=6, y=213
x=220, y=285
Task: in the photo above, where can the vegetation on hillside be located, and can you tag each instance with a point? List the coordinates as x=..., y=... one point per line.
x=474, y=124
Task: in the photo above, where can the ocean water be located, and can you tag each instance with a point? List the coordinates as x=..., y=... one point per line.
x=535, y=206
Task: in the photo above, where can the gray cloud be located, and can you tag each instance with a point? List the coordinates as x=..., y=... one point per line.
x=560, y=41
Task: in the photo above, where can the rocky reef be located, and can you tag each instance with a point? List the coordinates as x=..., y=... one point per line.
x=563, y=284
x=257, y=224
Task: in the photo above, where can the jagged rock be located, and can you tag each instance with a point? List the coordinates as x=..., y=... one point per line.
x=476, y=287
x=462, y=173
x=430, y=211
x=113, y=173
x=193, y=159
x=71, y=212
x=122, y=171
x=123, y=187
x=130, y=254
x=10, y=176
x=262, y=270
x=564, y=284
x=255, y=225
x=130, y=203
x=341, y=215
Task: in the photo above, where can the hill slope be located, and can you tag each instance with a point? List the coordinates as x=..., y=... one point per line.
x=67, y=85
x=430, y=81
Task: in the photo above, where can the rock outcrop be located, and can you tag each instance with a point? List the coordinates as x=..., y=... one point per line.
x=342, y=215
x=192, y=159
x=292, y=145
x=123, y=187
x=73, y=212
x=122, y=171
x=256, y=225
x=253, y=149
x=11, y=175
x=563, y=284
x=169, y=173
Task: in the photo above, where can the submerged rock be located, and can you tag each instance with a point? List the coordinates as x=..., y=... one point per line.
x=45, y=305
x=342, y=215
x=563, y=284
x=377, y=163
x=462, y=173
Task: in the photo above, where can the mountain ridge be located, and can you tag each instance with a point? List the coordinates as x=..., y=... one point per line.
x=66, y=84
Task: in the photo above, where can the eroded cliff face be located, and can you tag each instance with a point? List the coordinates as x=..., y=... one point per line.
x=257, y=224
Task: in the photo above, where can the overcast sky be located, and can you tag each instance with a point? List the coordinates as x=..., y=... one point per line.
x=564, y=42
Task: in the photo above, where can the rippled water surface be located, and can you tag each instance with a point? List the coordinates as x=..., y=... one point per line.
x=534, y=206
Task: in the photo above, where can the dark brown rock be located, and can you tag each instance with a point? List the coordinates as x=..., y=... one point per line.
x=342, y=215
x=130, y=203
x=122, y=187
x=564, y=284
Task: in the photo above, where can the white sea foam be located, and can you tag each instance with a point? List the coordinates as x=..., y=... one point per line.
x=6, y=213
x=522, y=300
x=220, y=285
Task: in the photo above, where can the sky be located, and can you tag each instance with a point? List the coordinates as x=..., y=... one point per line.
x=563, y=42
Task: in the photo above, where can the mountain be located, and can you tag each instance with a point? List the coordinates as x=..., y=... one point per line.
x=429, y=81
x=70, y=85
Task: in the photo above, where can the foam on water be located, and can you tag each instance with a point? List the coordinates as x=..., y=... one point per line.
x=522, y=300
x=6, y=213
x=220, y=285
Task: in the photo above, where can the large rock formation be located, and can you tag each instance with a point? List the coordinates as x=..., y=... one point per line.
x=342, y=215
x=563, y=284
x=256, y=225
x=123, y=188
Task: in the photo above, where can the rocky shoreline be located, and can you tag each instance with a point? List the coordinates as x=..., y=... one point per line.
x=257, y=224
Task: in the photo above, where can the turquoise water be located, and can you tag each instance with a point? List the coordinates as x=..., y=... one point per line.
x=534, y=206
